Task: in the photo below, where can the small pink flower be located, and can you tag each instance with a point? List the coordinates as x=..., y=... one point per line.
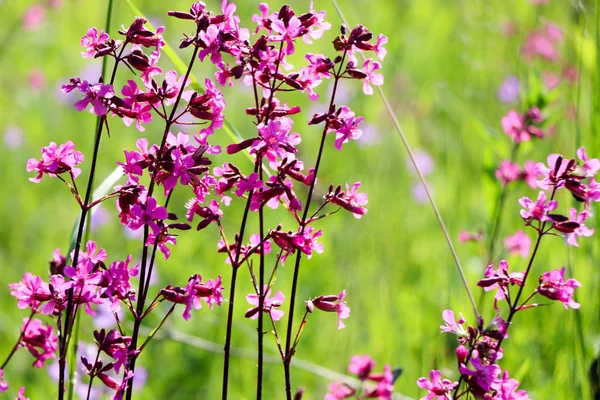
x=437, y=387
x=553, y=286
x=3, y=385
x=590, y=166
x=339, y=391
x=537, y=210
x=500, y=279
x=56, y=160
x=369, y=68
x=506, y=389
x=361, y=366
x=529, y=174
x=92, y=41
x=581, y=230
x=482, y=376
x=34, y=17
x=21, y=394
x=249, y=184
x=307, y=241
x=453, y=326
x=39, y=340
x=519, y=243
x=270, y=304
x=328, y=304
x=507, y=172
x=465, y=236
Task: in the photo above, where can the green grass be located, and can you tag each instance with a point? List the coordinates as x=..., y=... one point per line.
x=445, y=61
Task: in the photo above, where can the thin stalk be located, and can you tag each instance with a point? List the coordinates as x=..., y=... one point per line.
x=16, y=346
x=89, y=391
x=288, y=340
x=423, y=182
x=261, y=298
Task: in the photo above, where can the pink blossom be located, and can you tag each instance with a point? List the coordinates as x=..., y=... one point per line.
x=92, y=41
x=590, y=166
x=543, y=43
x=506, y=389
x=500, y=279
x=369, y=68
x=519, y=243
x=581, y=230
x=3, y=384
x=56, y=160
x=307, y=241
x=553, y=286
x=350, y=200
x=328, y=304
x=482, y=376
x=196, y=290
x=249, y=184
x=361, y=366
x=453, y=326
x=117, y=283
x=437, y=387
x=508, y=92
x=385, y=387
x=556, y=173
x=161, y=240
x=537, y=210
x=529, y=174
x=507, y=172
x=381, y=51
x=339, y=391
x=522, y=127
x=21, y=394
x=270, y=304
x=347, y=127
x=465, y=236
x=287, y=32
x=96, y=95
x=39, y=340
x=33, y=17
x=147, y=215
x=30, y=292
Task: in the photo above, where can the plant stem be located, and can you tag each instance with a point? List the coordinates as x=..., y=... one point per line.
x=16, y=346
x=288, y=341
x=261, y=298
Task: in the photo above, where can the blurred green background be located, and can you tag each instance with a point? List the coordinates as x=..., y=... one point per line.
x=445, y=63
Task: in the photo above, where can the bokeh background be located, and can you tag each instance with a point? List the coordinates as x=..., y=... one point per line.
x=446, y=62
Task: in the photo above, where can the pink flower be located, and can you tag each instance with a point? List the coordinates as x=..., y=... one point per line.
x=21, y=394
x=328, y=304
x=500, y=279
x=339, y=391
x=361, y=366
x=508, y=92
x=519, y=243
x=307, y=241
x=30, y=292
x=529, y=174
x=249, y=184
x=39, y=340
x=92, y=41
x=506, y=389
x=3, y=385
x=453, y=326
x=33, y=17
x=117, y=283
x=350, y=200
x=381, y=51
x=556, y=173
x=482, y=376
x=196, y=290
x=56, y=160
x=537, y=210
x=581, y=230
x=287, y=32
x=507, y=172
x=522, y=127
x=96, y=95
x=147, y=215
x=465, y=236
x=590, y=166
x=437, y=388
x=270, y=304
x=553, y=286
x=369, y=68
x=346, y=127
x=385, y=387
x=543, y=43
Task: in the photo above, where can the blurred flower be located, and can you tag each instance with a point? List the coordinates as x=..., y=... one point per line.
x=99, y=217
x=328, y=304
x=437, y=387
x=551, y=79
x=464, y=236
x=507, y=172
x=370, y=136
x=13, y=137
x=482, y=376
x=37, y=79
x=419, y=193
x=361, y=366
x=423, y=160
x=543, y=43
x=339, y=391
x=34, y=17
x=508, y=92
x=519, y=243
x=39, y=340
x=3, y=385
x=105, y=318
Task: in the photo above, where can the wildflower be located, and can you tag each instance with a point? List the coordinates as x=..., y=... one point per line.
x=385, y=387
x=147, y=215
x=543, y=43
x=464, y=236
x=270, y=304
x=590, y=166
x=328, y=304
x=508, y=92
x=306, y=241
x=453, y=326
x=482, y=376
x=361, y=366
x=537, y=210
x=34, y=17
x=21, y=394
x=437, y=387
x=350, y=200
x=506, y=389
x=346, y=127
x=369, y=68
x=500, y=279
x=93, y=41
x=39, y=340
x=522, y=127
x=339, y=391
x=117, y=283
x=507, y=172
x=580, y=230
x=3, y=385
x=96, y=95
x=553, y=286
x=249, y=184
x=56, y=160
x=557, y=172
x=519, y=243
x=529, y=174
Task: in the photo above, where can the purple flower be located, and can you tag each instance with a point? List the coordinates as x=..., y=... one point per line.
x=147, y=215
x=270, y=304
x=249, y=184
x=56, y=160
x=508, y=92
x=196, y=290
x=482, y=376
x=13, y=137
x=519, y=243
x=346, y=127
x=506, y=389
x=437, y=387
x=500, y=279
x=537, y=210
x=39, y=340
x=96, y=95
x=553, y=286
x=117, y=283
x=339, y=391
x=92, y=41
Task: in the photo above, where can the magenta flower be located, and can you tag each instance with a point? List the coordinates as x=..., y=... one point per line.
x=347, y=127
x=92, y=41
x=39, y=340
x=506, y=389
x=500, y=279
x=529, y=174
x=522, y=127
x=33, y=17
x=537, y=210
x=3, y=384
x=350, y=200
x=307, y=241
x=590, y=166
x=147, y=215
x=117, y=283
x=453, y=326
x=328, y=304
x=507, y=172
x=339, y=391
x=287, y=32
x=581, y=230
x=465, y=236
x=361, y=366
x=270, y=304
x=56, y=160
x=96, y=95
x=276, y=141
x=381, y=51
x=555, y=174
x=519, y=243
x=385, y=387
x=21, y=394
x=30, y=292
x=482, y=376
x=437, y=387
x=553, y=286
x=543, y=43
x=369, y=68
x=196, y=290
x=249, y=184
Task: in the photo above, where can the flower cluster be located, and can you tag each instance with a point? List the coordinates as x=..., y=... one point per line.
x=373, y=385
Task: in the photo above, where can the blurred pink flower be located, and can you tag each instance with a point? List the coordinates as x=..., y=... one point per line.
x=508, y=92
x=543, y=43
x=34, y=17
x=519, y=243
x=13, y=137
